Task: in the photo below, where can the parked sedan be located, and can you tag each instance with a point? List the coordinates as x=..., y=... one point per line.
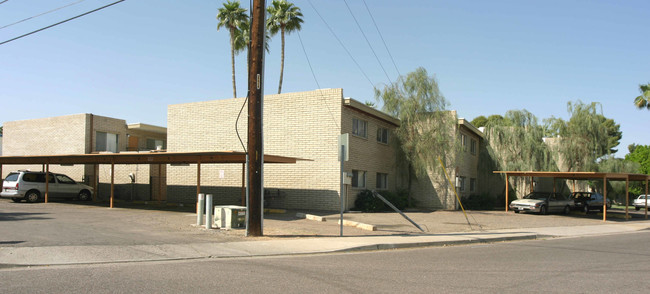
x=588, y=201
x=542, y=203
x=640, y=202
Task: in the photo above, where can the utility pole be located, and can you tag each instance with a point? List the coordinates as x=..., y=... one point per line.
x=255, y=109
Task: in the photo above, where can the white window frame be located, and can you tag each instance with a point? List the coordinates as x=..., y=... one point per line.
x=359, y=128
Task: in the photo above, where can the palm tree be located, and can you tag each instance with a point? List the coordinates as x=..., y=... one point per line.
x=243, y=37
x=284, y=17
x=231, y=15
x=642, y=101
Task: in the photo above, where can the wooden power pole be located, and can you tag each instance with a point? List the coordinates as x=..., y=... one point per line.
x=255, y=108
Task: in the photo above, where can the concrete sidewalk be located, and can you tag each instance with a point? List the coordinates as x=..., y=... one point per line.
x=60, y=255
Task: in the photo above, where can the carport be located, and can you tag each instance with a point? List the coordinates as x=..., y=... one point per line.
x=160, y=158
x=627, y=177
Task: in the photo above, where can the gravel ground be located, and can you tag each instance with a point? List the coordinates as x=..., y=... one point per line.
x=82, y=223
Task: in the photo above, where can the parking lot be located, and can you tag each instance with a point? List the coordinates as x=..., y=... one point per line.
x=72, y=223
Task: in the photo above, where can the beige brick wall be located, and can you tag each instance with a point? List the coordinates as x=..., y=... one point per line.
x=369, y=155
x=304, y=125
x=71, y=134
x=53, y=135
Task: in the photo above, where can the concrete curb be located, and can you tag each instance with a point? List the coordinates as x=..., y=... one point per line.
x=388, y=246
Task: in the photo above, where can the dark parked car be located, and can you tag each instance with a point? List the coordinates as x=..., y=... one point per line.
x=588, y=201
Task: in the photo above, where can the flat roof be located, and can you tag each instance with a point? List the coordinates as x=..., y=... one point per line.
x=144, y=158
x=577, y=175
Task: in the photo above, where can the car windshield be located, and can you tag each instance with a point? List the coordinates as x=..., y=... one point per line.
x=536, y=196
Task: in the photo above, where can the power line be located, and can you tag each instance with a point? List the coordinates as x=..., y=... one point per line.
x=3, y=1
x=58, y=23
x=44, y=13
x=367, y=41
x=382, y=37
x=316, y=80
x=341, y=43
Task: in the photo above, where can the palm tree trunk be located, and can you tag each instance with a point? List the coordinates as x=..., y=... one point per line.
x=232, y=61
x=281, y=61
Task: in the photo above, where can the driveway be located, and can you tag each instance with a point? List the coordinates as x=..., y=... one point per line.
x=71, y=223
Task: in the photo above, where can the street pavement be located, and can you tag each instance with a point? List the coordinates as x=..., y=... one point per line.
x=78, y=233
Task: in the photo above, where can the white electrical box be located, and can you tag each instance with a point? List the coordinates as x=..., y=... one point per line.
x=347, y=178
x=230, y=216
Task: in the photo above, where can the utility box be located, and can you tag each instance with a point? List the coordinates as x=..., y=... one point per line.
x=230, y=216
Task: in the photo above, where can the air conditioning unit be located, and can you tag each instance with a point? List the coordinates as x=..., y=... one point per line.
x=229, y=216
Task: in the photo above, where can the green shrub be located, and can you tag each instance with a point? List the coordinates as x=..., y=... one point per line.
x=479, y=202
x=367, y=202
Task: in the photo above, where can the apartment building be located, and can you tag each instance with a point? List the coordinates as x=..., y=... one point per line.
x=305, y=125
x=88, y=133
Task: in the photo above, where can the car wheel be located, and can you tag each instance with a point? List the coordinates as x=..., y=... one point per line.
x=84, y=195
x=637, y=208
x=567, y=209
x=32, y=196
x=16, y=199
x=586, y=209
x=516, y=211
x=542, y=210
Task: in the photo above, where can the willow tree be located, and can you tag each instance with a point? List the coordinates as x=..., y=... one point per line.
x=517, y=142
x=584, y=138
x=427, y=131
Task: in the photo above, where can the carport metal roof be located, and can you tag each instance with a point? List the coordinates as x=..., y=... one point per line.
x=627, y=177
x=141, y=158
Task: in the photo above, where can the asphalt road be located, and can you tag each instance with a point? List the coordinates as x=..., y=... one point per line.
x=604, y=264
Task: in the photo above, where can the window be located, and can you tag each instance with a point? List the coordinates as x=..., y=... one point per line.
x=152, y=144
x=461, y=184
x=382, y=135
x=106, y=142
x=472, y=146
x=358, y=179
x=359, y=127
x=382, y=181
x=463, y=141
x=472, y=185
x=63, y=179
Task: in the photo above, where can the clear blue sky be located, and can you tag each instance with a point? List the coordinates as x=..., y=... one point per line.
x=131, y=60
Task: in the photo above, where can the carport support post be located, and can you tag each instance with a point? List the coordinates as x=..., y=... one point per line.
x=198, y=188
x=627, y=201
x=604, y=198
x=112, y=182
x=507, y=192
x=47, y=181
x=95, y=178
x=646, y=198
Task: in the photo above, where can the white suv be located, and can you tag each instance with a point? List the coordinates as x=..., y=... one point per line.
x=30, y=186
